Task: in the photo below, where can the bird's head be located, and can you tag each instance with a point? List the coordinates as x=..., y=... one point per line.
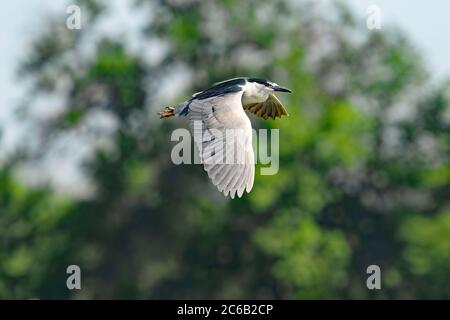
x=265, y=85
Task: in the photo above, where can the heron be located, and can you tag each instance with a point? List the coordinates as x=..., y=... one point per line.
x=223, y=131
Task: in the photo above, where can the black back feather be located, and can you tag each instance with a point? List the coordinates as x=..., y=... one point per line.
x=221, y=88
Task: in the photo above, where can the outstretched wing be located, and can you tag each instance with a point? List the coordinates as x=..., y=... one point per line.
x=223, y=134
x=271, y=108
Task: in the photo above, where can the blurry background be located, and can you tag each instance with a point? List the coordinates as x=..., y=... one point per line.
x=86, y=176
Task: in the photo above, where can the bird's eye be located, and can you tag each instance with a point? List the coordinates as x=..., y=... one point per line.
x=267, y=85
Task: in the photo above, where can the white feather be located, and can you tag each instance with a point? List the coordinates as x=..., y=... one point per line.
x=221, y=117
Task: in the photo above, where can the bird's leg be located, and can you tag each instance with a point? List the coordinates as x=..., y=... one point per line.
x=168, y=112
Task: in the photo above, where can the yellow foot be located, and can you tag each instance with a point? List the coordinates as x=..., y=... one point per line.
x=168, y=112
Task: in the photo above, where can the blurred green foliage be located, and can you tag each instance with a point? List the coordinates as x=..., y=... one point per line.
x=361, y=182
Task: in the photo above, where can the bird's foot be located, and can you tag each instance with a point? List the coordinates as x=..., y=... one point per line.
x=168, y=112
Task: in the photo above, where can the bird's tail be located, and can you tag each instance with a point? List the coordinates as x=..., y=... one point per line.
x=178, y=110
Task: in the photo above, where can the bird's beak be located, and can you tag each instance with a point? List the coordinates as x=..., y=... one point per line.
x=281, y=89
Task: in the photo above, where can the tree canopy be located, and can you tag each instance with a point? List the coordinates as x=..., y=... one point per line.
x=364, y=161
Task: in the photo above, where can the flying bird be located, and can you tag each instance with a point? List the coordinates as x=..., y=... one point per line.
x=222, y=130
